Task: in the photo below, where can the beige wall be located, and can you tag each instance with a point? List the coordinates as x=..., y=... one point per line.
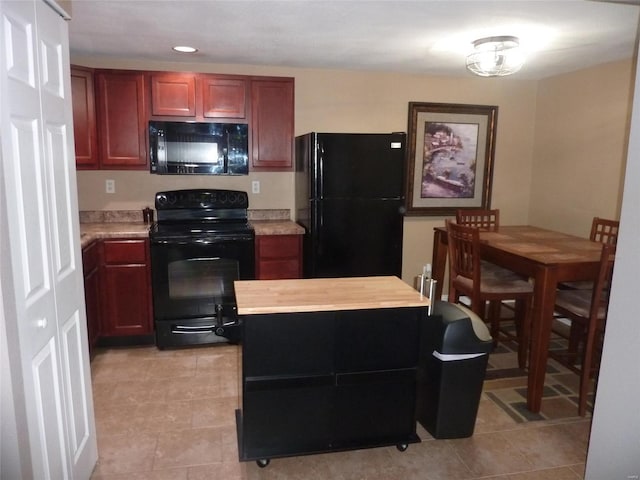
x=582, y=126
x=358, y=101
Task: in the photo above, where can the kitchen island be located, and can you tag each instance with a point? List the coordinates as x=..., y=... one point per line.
x=327, y=365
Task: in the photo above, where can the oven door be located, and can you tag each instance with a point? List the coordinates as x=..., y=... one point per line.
x=193, y=279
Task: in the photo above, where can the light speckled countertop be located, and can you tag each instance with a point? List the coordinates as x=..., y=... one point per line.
x=99, y=231
x=90, y=231
x=276, y=227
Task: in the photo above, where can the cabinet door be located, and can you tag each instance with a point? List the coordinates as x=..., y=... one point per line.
x=272, y=112
x=126, y=288
x=375, y=408
x=84, y=119
x=122, y=121
x=223, y=97
x=288, y=345
x=90, y=265
x=377, y=340
x=287, y=418
x=173, y=94
x=288, y=384
x=278, y=257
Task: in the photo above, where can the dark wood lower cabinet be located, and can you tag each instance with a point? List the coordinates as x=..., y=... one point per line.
x=328, y=381
x=278, y=257
x=126, y=288
x=91, y=270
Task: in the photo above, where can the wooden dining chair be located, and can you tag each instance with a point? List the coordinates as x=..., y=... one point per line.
x=484, y=219
x=587, y=309
x=603, y=231
x=470, y=277
x=489, y=220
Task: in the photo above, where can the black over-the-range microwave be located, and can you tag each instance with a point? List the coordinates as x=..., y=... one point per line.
x=184, y=148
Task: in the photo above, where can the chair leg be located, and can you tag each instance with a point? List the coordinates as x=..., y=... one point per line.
x=494, y=320
x=585, y=371
x=576, y=334
x=523, y=325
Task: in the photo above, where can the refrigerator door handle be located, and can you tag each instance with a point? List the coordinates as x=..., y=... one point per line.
x=319, y=169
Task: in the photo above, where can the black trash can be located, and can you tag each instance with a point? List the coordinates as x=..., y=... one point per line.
x=455, y=348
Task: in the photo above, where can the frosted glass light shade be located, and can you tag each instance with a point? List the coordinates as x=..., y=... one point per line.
x=495, y=56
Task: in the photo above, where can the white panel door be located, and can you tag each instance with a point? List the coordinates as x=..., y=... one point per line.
x=41, y=205
x=59, y=160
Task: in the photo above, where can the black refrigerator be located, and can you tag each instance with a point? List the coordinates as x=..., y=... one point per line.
x=349, y=195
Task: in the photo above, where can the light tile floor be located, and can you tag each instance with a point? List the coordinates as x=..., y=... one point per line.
x=169, y=415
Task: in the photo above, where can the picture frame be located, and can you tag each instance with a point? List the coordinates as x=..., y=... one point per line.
x=449, y=157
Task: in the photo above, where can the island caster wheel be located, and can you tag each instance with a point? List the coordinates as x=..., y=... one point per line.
x=402, y=447
x=263, y=462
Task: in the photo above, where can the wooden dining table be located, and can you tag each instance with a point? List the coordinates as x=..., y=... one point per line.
x=545, y=256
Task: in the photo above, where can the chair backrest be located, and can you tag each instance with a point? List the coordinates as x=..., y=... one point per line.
x=464, y=254
x=604, y=231
x=602, y=285
x=478, y=217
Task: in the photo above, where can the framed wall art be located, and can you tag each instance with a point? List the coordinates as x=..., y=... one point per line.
x=450, y=157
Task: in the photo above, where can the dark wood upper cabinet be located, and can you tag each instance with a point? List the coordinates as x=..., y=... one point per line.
x=198, y=95
x=223, y=97
x=122, y=120
x=84, y=118
x=111, y=110
x=272, y=116
x=173, y=94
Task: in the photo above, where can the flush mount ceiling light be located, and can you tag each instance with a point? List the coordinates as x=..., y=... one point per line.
x=185, y=49
x=495, y=56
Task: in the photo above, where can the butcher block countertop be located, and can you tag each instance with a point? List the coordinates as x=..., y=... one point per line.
x=324, y=294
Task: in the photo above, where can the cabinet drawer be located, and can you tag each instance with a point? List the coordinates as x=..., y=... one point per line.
x=90, y=258
x=279, y=246
x=125, y=251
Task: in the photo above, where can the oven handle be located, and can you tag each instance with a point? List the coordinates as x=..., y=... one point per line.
x=233, y=238
x=168, y=242
x=231, y=330
x=184, y=329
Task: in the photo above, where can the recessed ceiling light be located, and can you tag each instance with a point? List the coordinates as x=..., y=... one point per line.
x=185, y=49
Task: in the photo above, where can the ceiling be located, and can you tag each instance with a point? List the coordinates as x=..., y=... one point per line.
x=419, y=37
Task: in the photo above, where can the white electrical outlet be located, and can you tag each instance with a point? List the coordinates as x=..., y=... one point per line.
x=255, y=186
x=110, y=186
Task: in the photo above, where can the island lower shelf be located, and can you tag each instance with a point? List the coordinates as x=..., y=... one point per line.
x=324, y=381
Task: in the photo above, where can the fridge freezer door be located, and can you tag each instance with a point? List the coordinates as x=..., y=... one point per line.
x=355, y=237
x=358, y=165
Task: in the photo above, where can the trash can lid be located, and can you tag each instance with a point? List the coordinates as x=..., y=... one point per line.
x=479, y=327
x=458, y=319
